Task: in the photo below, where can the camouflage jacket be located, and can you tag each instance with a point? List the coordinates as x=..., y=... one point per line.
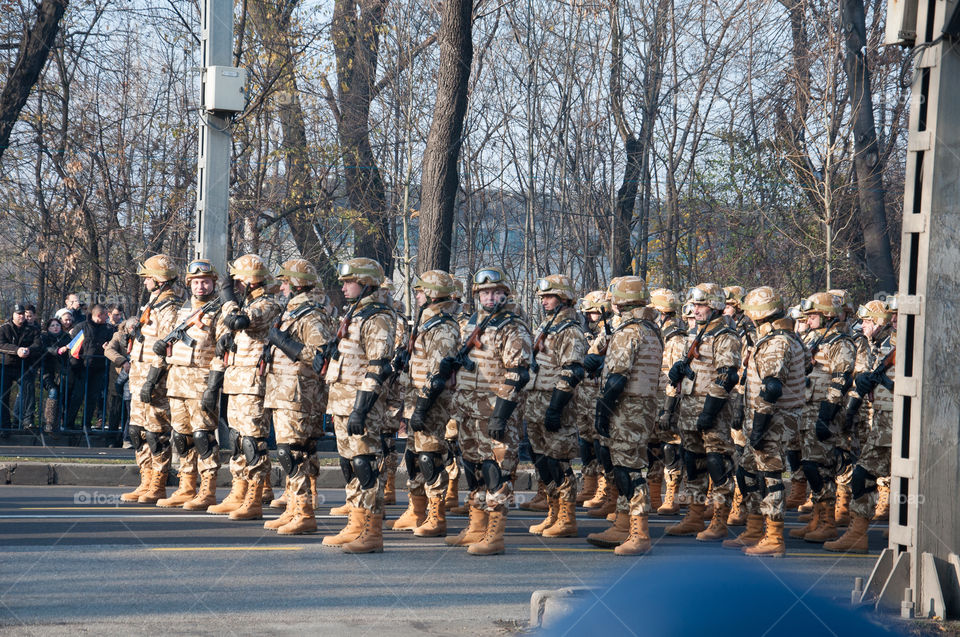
x=636, y=352
x=673, y=331
x=833, y=363
x=504, y=358
x=189, y=365
x=437, y=337
x=156, y=320
x=562, y=347
x=778, y=353
x=242, y=373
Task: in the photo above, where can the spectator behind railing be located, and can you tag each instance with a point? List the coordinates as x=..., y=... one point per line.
x=19, y=341
x=27, y=390
x=55, y=372
x=88, y=369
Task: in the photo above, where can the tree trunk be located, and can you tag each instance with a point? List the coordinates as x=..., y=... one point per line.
x=32, y=57
x=622, y=217
x=442, y=155
x=873, y=217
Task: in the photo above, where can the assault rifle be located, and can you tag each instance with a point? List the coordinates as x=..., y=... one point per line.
x=462, y=359
x=179, y=333
x=331, y=350
x=538, y=345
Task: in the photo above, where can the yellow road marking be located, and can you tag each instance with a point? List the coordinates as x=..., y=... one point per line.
x=228, y=548
x=569, y=550
x=789, y=553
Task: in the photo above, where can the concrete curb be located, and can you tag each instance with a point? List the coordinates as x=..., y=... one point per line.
x=122, y=475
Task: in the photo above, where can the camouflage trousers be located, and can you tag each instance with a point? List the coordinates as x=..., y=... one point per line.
x=187, y=416
x=820, y=458
x=707, y=451
x=247, y=417
x=584, y=405
x=875, y=460
x=560, y=446
x=760, y=475
x=451, y=434
x=297, y=429
x=349, y=447
x=155, y=418
x=631, y=428
x=430, y=440
x=477, y=448
x=391, y=424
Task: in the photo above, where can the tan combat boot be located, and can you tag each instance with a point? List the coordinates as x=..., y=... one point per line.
x=750, y=536
x=413, y=517
x=474, y=530
x=671, y=505
x=588, y=490
x=389, y=490
x=772, y=544
x=812, y=523
x=609, y=504
x=553, y=510
x=827, y=529
x=738, y=513
x=238, y=491
x=655, y=486
x=718, y=525
x=184, y=493
x=566, y=524
x=452, y=501
x=351, y=531
x=539, y=501
x=341, y=510
x=854, y=540
x=692, y=522
x=146, y=473
x=613, y=536
x=492, y=541
x=370, y=539
x=882, y=512
x=436, y=523
x=252, y=507
x=303, y=519
x=806, y=508
x=157, y=489
x=638, y=541
x=798, y=491
x=285, y=517
x=206, y=495
x=600, y=496
x=841, y=512
x=285, y=497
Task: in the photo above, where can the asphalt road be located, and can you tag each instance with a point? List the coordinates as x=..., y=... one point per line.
x=73, y=561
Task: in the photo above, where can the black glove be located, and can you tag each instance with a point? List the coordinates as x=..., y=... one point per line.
x=285, y=343
x=850, y=413
x=667, y=421
x=357, y=422
x=224, y=344
x=160, y=347
x=886, y=381
x=226, y=292
x=497, y=425
x=761, y=422
x=401, y=361
x=553, y=417
x=677, y=373
x=612, y=389
x=146, y=390
x=419, y=417
x=865, y=382
x=210, y=401
x=237, y=321
x=601, y=420
x=824, y=417
x=448, y=364
x=739, y=417
x=593, y=365
x=708, y=417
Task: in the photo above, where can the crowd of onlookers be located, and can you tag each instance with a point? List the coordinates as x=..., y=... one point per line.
x=77, y=387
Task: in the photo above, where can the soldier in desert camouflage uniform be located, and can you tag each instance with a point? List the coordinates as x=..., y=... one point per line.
x=596, y=309
x=706, y=414
x=487, y=399
x=549, y=414
x=774, y=393
x=294, y=392
x=451, y=434
x=149, y=427
x=355, y=374
x=241, y=336
x=189, y=355
x=427, y=405
x=830, y=376
x=746, y=330
x=393, y=402
x=874, y=387
x=665, y=449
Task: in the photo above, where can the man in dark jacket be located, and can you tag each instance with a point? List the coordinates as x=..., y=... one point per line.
x=19, y=343
x=89, y=372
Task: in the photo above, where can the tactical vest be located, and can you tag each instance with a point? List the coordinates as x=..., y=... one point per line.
x=704, y=366
x=249, y=343
x=794, y=387
x=281, y=365
x=142, y=351
x=204, y=334
x=818, y=380
x=883, y=397
x=548, y=375
x=644, y=378
x=489, y=373
x=350, y=366
x=674, y=340
x=420, y=365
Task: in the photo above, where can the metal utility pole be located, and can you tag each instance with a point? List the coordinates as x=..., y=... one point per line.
x=920, y=571
x=220, y=87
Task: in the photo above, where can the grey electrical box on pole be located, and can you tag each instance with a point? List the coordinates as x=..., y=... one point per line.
x=221, y=95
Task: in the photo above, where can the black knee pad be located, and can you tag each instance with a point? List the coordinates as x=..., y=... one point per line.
x=205, y=442
x=346, y=469
x=747, y=481
x=542, y=466
x=492, y=476
x=253, y=448
x=471, y=474
x=235, y=443
x=310, y=446
x=691, y=463
x=158, y=443
x=720, y=467
x=587, y=454
x=555, y=470
x=794, y=460
x=654, y=453
x=365, y=470
x=603, y=455
x=671, y=455
x=812, y=471
x=286, y=459
x=410, y=460
x=776, y=476
x=430, y=464
x=137, y=437
x=862, y=482
x=627, y=480
x=181, y=442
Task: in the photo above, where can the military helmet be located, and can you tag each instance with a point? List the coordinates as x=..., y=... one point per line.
x=361, y=270
x=435, y=284
x=821, y=303
x=761, y=303
x=596, y=301
x=458, y=293
x=795, y=313
x=249, y=269
x=891, y=303
x=709, y=294
x=876, y=311
x=664, y=300
x=299, y=273
x=629, y=290
x=159, y=267
x=558, y=285
x=199, y=269
x=846, y=301
x=733, y=295
x=490, y=279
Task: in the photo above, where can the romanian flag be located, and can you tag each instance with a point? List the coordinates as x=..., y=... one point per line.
x=75, y=344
